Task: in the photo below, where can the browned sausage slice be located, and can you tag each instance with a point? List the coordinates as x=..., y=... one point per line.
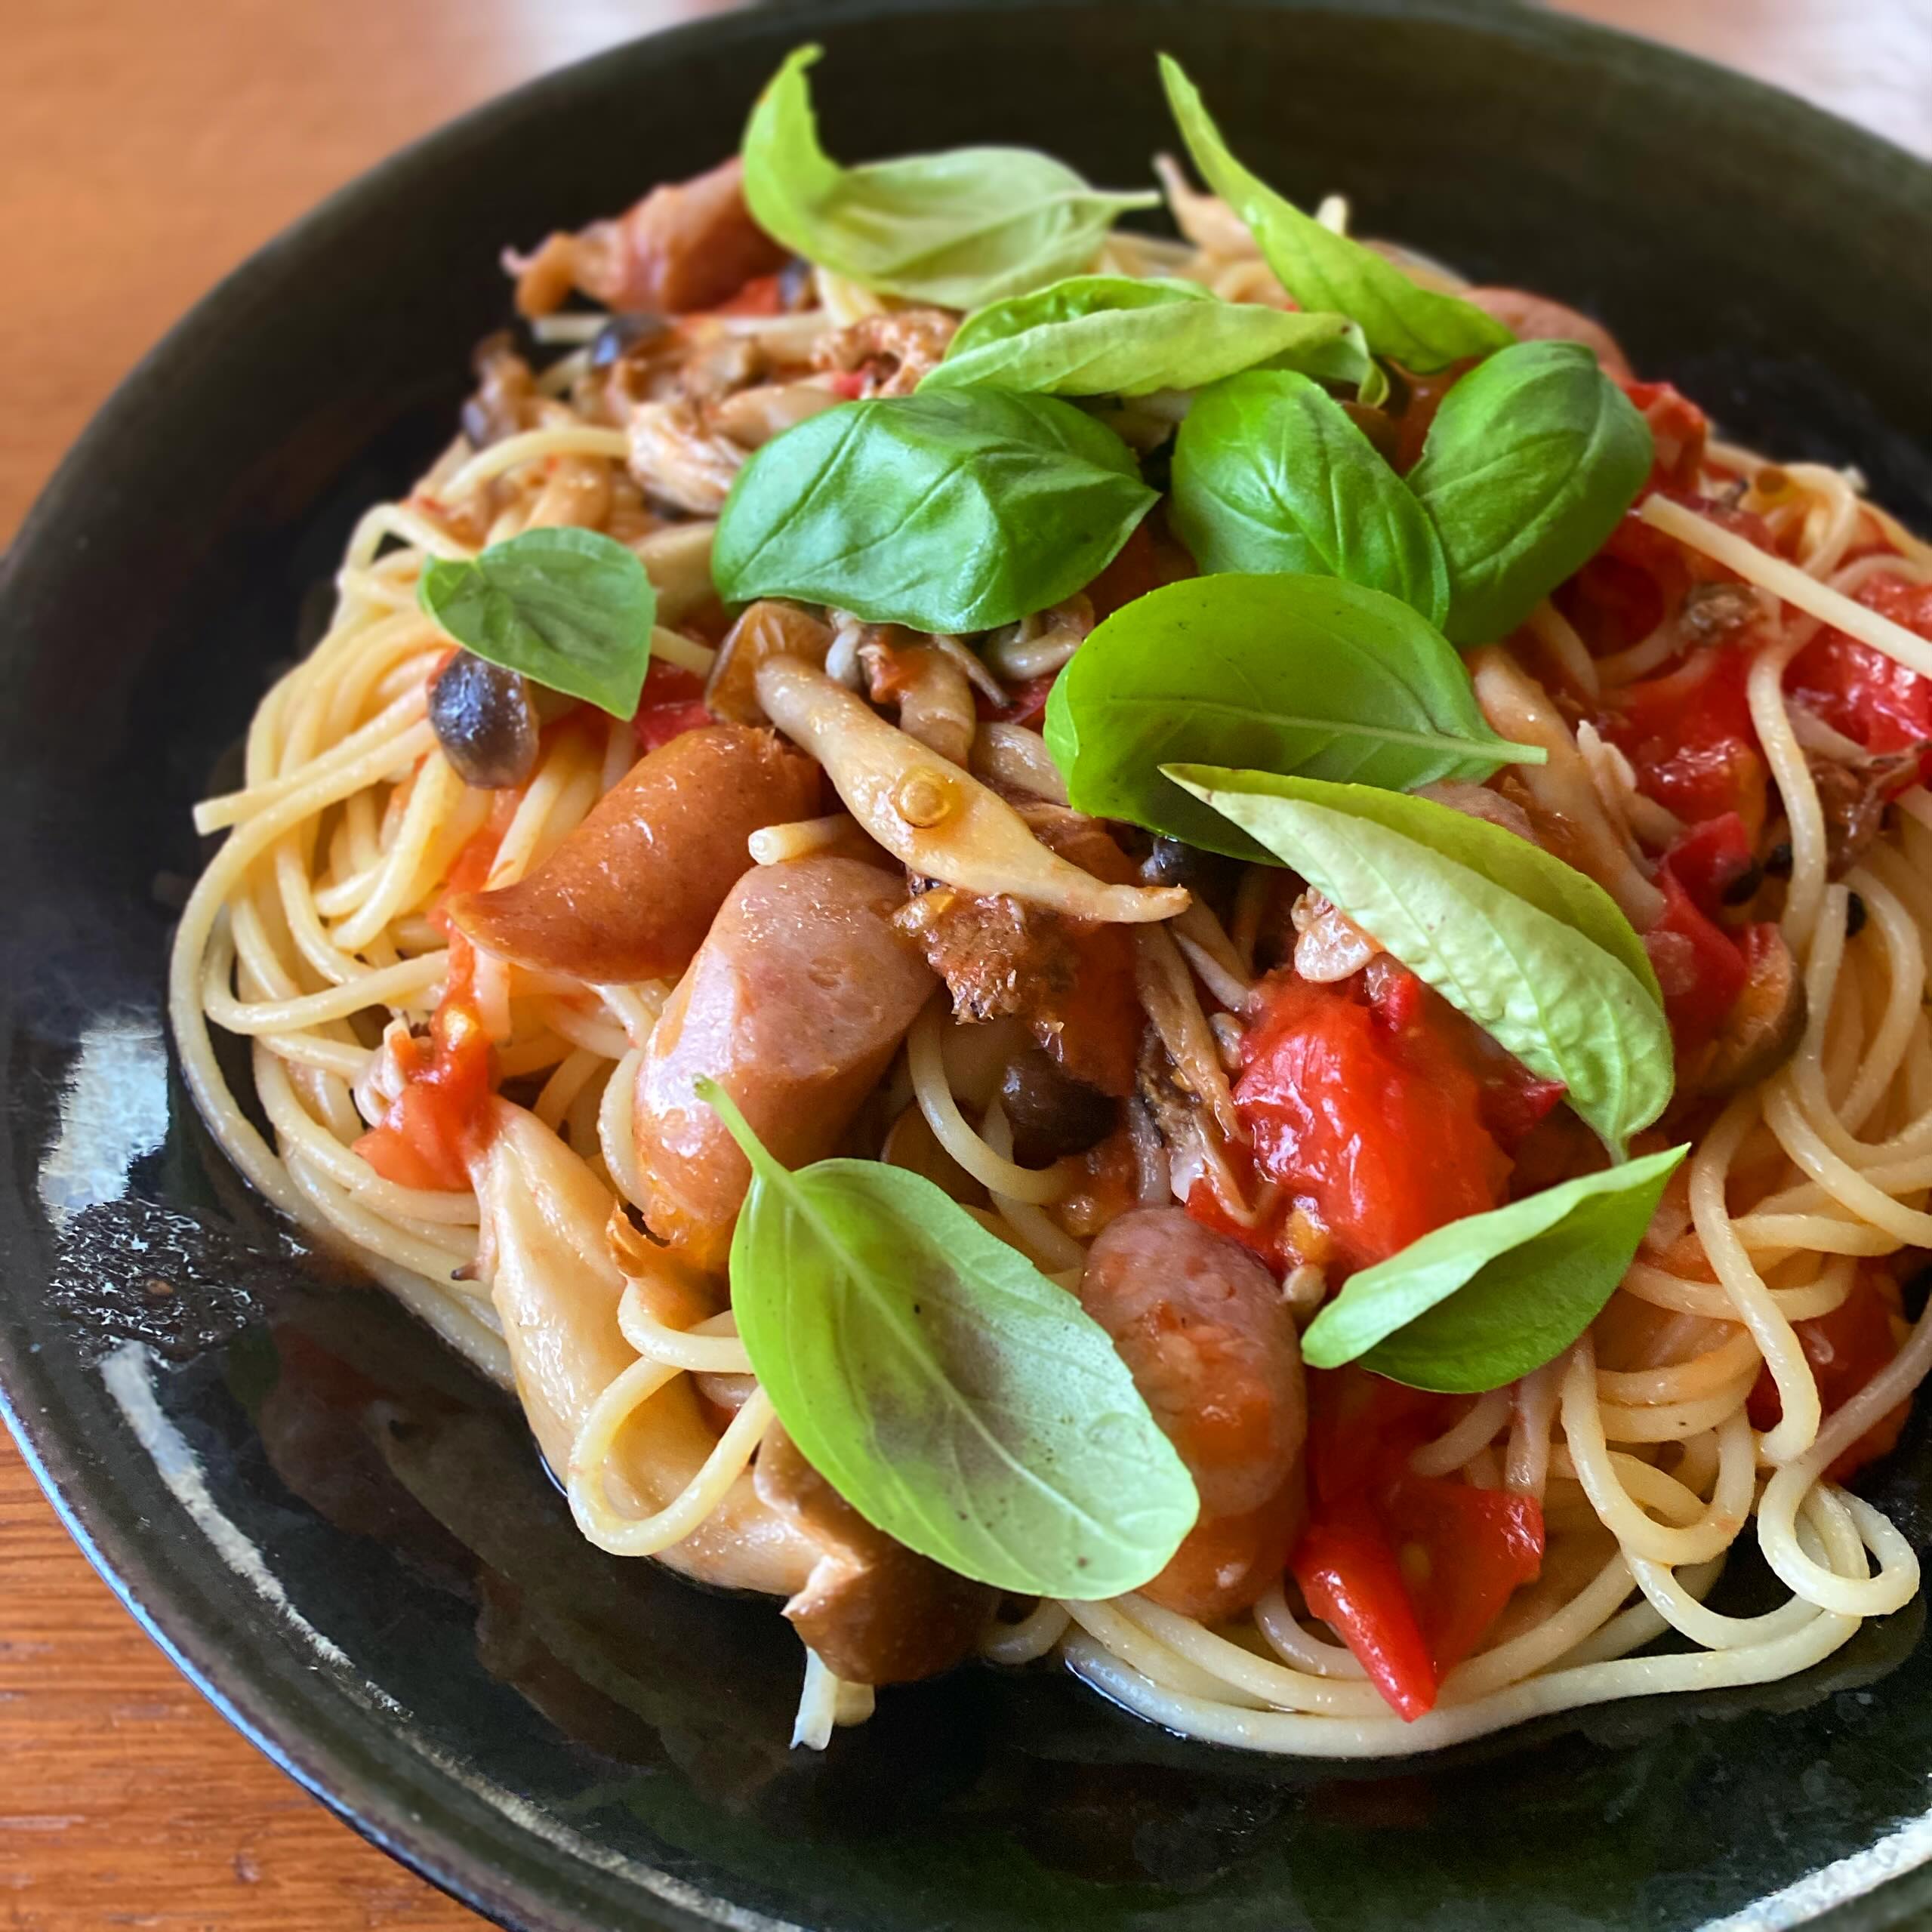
x=799, y=996
x=1537, y=319
x=1202, y=1326
x=630, y=893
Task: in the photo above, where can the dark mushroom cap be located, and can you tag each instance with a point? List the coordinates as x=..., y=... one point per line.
x=485, y=722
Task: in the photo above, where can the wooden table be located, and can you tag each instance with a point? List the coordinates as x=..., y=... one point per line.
x=150, y=146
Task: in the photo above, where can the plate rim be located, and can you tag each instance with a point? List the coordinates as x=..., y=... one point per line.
x=434, y=1840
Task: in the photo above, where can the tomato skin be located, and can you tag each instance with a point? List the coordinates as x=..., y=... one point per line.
x=1366, y=1116
x=1846, y=1348
x=1410, y=1570
x=1869, y=697
x=425, y=1138
x=1679, y=431
x=673, y=703
x=1623, y=593
x=1710, y=859
x=1698, y=965
x=1463, y=1552
x=1352, y=1580
x=1701, y=966
x=1691, y=740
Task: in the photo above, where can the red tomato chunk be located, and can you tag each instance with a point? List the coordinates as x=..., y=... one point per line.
x=1868, y=696
x=1410, y=1571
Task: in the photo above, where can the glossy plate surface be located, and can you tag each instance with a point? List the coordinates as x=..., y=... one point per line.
x=347, y=1541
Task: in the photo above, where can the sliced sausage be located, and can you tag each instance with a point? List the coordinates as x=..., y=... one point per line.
x=799, y=996
x=1202, y=1327
x=1536, y=319
x=631, y=892
x=685, y=246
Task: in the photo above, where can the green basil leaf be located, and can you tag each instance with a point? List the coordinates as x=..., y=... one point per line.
x=1289, y=673
x=1530, y=462
x=956, y=1398
x=1537, y=954
x=1113, y=335
x=1414, y=326
x=1473, y=1305
x=969, y=225
x=1270, y=474
x=954, y=511
x=571, y=609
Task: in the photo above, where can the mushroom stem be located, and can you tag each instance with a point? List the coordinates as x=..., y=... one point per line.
x=936, y=819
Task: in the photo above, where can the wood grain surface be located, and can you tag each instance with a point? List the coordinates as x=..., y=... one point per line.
x=150, y=145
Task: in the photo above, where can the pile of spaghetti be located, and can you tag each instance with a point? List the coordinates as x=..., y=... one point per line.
x=1202, y=956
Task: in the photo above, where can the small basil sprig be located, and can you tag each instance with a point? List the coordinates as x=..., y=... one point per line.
x=1291, y=674
x=1535, y=953
x=957, y=1399
x=1414, y=326
x=572, y=609
x=1530, y=461
x=961, y=228
x=1270, y=474
x=1113, y=335
x=1473, y=1305
x=952, y=511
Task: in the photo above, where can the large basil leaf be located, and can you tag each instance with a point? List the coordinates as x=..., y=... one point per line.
x=1289, y=673
x=1414, y=326
x=1474, y=1305
x=1537, y=954
x=571, y=609
x=957, y=1399
x=953, y=511
x=966, y=226
x=1270, y=474
x=1114, y=335
x=1530, y=462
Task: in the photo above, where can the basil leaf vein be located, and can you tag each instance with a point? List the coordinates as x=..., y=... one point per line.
x=1115, y=335
x=958, y=1399
x=1416, y=327
x=956, y=510
x=965, y=227
x=1530, y=462
x=1270, y=474
x=1477, y=1303
x=570, y=608
x=1537, y=954
x=1289, y=673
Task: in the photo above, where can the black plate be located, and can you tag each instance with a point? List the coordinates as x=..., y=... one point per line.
x=346, y=1542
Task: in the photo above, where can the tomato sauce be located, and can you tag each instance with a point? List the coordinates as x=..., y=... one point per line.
x=432, y=1128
